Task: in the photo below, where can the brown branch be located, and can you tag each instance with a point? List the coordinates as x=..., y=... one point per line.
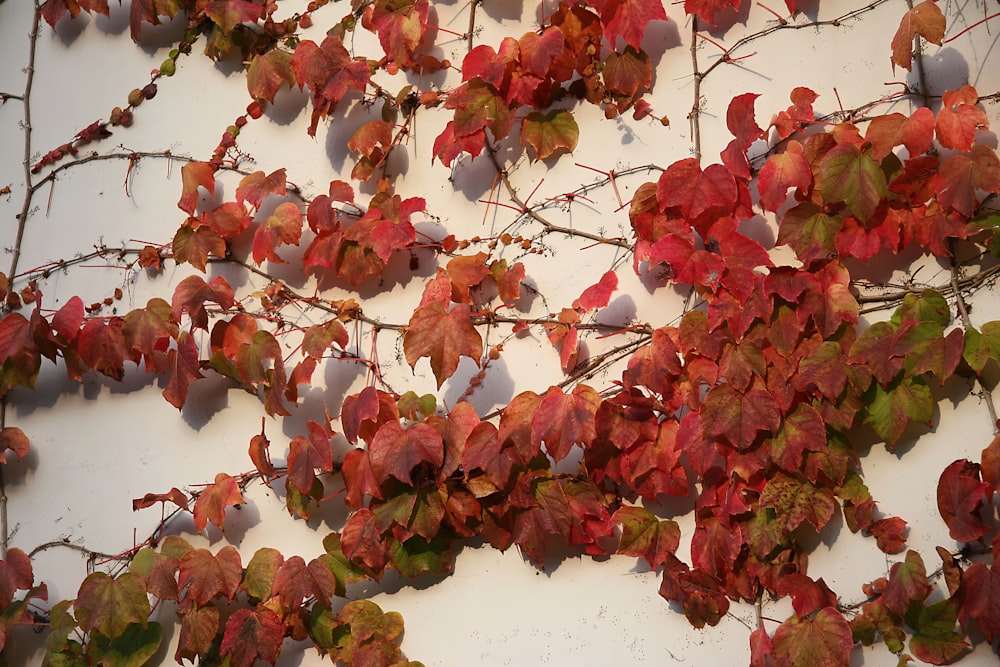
x=693, y=116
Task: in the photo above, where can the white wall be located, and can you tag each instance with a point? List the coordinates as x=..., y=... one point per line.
x=99, y=444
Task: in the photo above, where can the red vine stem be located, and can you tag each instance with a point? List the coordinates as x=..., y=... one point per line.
x=974, y=25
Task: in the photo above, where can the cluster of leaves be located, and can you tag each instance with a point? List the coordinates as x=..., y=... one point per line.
x=747, y=405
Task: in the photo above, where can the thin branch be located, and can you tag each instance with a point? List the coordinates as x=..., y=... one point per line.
x=696, y=105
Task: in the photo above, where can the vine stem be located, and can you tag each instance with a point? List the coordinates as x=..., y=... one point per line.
x=698, y=76
x=963, y=312
x=22, y=219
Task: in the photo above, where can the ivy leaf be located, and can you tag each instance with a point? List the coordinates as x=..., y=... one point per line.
x=907, y=583
x=183, y=366
x=150, y=11
x=483, y=452
x=563, y=420
x=959, y=118
x=327, y=70
x=629, y=19
x=194, y=243
x=627, y=75
x=960, y=494
x=981, y=346
x=203, y=576
x=193, y=292
x=739, y=417
x=889, y=411
x=320, y=337
x=795, y=501
x=598, y=296
x=888, y=534
x=396, y=452
x=267, y=72
x=443, y=336
x=696, y=193
x=823, y=641
x=708, y=10
x=213, y=500
x=255, y=187
x=850, y=176
x=550, y=133
x=251, y=634
x=284, y=226
x=416, y=555
x=477, y=106
x=193, y=176
x=53, y=10
x=305, y=455
x=133, y=648
x=109, y=605
x=981, y=599
x=149, y=330
x=925, y=20
x=13, y=439
x=199, y=627
x=102, y=347
x=645, y=536
x=228, y=14
x=915, y=132
x=958, y=179
x=780, y=172
x=801, y=430
x=400, y=25
x=159, y=571
x=935, y=640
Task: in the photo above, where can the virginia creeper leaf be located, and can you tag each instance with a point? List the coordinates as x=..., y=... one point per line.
x=443, y=336
x=213, y=500
x=109, y=604
x=822, y=641
x=550, y=133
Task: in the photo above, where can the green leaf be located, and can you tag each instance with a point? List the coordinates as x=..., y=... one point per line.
x=935, y=640
x=259, y=574
x=645, y=536
x=810, y=232
x=850, y=176
x=982, y=345
x=928, y=306
x=109, y=605
x=416, y=555
x=550, y=133
x=136, y=645
x=889, y=411
x=907, y=584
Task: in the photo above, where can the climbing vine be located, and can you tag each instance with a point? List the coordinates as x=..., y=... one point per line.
x=751, y=402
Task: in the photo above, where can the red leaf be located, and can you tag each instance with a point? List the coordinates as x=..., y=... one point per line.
x=267, y=72
x=443, y=336
x=645, y=536
x=213, y=500
x=959, y=119
x=102, y=347
x=320, y=337
x=795, y=501
x=916, y=133
x=329, y=72
x=850, y=176
x=739, y=417
x=889, y=534
x=483, y=452
x=627, y=76
x=961, y=176
x=193, y=176
x=598, y=296
x=396, y=452
x=13, y=439
x=696, y=193
x=628, y=19
x=255, y=187
x=960, y=494
x=823, y=641
x=53, y=10
x=907, y=583
x=563, y=420
x=150, y=11
x=193, y=292
x=925, y=20
x=149, y=330
x=980, y=599
x=990, y=465
x=708, y=10
x=781, y=172
x=203, y=576
x=464, y=272
x=741, y=122
x=400, y=25
x=251, y=634
x=260, y=455
x=183, y=365
x=67, y=321
x=284, y=226
x=199, y=627
x=175, y=495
